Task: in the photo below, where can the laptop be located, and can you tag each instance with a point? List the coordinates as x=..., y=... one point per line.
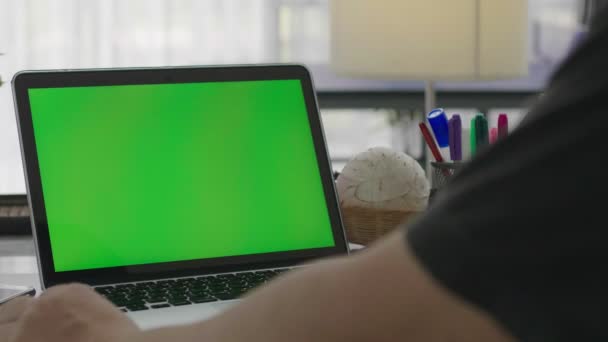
x=175, y=191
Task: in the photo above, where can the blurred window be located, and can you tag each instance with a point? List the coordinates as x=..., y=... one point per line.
x=40, y=34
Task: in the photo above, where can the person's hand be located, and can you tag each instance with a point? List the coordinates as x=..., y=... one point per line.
x=63, y=314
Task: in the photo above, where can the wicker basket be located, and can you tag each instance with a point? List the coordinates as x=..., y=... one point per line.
x=365, y=225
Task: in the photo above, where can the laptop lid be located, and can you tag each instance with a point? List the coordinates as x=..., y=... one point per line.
x=137, y=174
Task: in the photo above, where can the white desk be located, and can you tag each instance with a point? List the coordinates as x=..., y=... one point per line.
x=18, y=265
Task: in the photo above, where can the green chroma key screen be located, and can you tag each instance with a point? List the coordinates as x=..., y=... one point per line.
x=139, y=174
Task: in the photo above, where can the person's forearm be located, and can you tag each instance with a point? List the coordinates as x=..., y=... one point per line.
x=293, y=308
x=379, y=295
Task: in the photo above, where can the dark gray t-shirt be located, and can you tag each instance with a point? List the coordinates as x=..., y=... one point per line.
x=522, y=231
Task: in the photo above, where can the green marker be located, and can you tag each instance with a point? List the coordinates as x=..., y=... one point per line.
x=473, y=137
x=482, y=131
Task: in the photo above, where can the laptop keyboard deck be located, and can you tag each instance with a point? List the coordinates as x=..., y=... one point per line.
x=184, y=291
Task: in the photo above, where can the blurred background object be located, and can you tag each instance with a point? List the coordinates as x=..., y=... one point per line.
x=14, y=215
x=1, y=82
x=589, y=9
x=380, y=189
x=429, y=40
x=357, y=113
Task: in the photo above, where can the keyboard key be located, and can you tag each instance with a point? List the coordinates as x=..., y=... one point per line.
x=216, y=282
x=137, y=294
x=226, y=296
x=137, y=308
x=177, y=299
x=240, y=288
x=179, y=303
x=113, y=297
x=185, y=291
x=203, y=293
x=160, y=306
x=104, y=289
x=156, y=300
x=199, y=300
x=176, y=294
x=235, y=283
x=134, y=304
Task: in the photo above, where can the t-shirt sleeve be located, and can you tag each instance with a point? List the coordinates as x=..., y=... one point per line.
x=521, y=231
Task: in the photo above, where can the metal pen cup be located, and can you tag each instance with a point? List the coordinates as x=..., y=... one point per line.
x=441, y=173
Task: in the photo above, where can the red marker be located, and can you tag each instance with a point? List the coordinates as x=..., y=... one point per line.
x=430, y=141
x=493, y=135
x=503, y=126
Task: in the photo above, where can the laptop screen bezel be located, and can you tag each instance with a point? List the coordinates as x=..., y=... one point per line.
x=26, y=80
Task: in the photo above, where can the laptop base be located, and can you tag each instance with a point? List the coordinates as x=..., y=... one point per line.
x=178, y=315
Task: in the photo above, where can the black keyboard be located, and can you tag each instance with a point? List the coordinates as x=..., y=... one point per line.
x=184, y=291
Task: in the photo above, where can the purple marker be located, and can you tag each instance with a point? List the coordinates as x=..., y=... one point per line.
x=455, y=137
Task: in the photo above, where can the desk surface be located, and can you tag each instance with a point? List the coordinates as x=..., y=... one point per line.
x=18, y=264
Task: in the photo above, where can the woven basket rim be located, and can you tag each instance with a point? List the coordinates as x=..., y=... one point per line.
x=364, y=225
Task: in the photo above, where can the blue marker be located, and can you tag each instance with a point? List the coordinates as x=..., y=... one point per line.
x=439, y=123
